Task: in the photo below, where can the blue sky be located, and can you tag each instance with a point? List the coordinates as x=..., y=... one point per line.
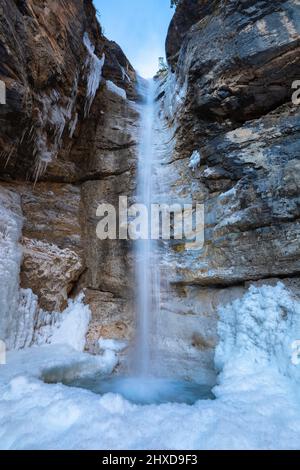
x=139, y=27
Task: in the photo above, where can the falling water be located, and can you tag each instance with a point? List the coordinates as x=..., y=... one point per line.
x=147, y=269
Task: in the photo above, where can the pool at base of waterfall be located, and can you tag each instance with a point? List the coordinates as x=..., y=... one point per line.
x=145, y=390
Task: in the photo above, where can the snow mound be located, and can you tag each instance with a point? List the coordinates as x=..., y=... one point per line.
x=257, y=405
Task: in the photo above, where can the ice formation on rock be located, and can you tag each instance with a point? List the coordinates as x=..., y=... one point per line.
x=257, y=405
x=27, y=312
x=11, y=223
x=258, y=331
x=69, y=327
x=55, y=113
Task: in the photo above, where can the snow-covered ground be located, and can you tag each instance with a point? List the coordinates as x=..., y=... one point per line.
x=257, y=405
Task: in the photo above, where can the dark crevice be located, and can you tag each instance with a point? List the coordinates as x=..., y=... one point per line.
x=235, y=283
x=96, y=176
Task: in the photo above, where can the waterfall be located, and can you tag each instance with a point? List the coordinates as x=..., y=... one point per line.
x=148, y=380
x=147, y=270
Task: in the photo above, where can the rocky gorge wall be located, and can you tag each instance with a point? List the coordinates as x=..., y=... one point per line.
x=68, y=133
x=228, y=97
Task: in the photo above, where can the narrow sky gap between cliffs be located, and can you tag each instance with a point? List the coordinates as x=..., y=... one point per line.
x=139, y=27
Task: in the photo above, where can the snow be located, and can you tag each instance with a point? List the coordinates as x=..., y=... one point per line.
x=257, y=405
x=2, y=353
x=195, y=160
x=175, y=93
x=56, y=111
x=208, y=172
x=94, y=67
x=125, y=75
x=74, y=326
x=111, y=86
x=36, y=327
x=2, y=92
x=112, y=344
x=259, y=331
x=26, y=319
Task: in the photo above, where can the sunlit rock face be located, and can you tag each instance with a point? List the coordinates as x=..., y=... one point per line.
x=230, y=99
x=67, y=137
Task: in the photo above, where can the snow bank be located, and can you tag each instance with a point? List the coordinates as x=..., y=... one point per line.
x=195, y=160
x=257, y=405
x=94, y=67
x=26, y=319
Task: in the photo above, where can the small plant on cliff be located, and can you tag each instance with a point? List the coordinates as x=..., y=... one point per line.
x=174, y=3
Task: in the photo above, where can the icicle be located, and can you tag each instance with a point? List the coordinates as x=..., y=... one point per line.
x=94, y=67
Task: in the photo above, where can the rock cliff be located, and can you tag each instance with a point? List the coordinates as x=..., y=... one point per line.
x=67, y=137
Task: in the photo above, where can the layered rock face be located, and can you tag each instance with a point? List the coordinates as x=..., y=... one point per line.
x=229, y=98
x=67, y=137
